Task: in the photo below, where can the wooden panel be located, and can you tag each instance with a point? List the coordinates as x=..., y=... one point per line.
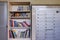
x=20, y=3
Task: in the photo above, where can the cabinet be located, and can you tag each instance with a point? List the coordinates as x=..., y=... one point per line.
x=20, y=27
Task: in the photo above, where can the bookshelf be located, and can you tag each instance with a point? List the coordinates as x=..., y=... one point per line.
x=20, y=27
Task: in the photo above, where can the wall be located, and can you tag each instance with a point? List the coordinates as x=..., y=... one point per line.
x=41, y=1
x=3, y=0
x=46, y=2
x=36, y=1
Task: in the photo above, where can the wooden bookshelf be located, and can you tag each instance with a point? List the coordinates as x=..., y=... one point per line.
x=19, y=11
x=20, y=27
x=20, y=39
x=20, y=3
x=19, y=18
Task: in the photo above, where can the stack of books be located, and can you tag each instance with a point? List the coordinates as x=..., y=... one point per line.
x=19, y=34
x=21, y=8
x=19, y=24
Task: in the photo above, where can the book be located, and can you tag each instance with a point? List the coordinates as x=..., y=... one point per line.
x=22, y=35
x=28, y=33
x=18, y=34
x=15, y=24
x=20, y=8
x=10, y=34
x=26, y=23
x=23, y=14
x=12, y=23
x=22, y=24
x=14, y=33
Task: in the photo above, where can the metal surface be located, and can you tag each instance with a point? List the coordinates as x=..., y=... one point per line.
x=3, y=21
x=47, y=22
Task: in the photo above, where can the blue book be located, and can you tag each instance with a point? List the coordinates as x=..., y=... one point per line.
x=11, y=23
x=23, y=14
x=20, y=8
x=15, y=24
x=14, y=34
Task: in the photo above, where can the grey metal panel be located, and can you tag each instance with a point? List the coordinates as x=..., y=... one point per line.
x=47, y=22
x=3, y=21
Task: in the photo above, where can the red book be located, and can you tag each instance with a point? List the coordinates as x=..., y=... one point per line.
x=12, y=23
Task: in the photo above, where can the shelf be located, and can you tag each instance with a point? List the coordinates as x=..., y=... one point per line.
x=19, y=11
x=19, y=18
x=20, y=27
x=20, y=3
x=19, y=38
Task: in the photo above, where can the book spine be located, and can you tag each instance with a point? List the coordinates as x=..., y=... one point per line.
x=26, y=24
x=22, y=24
x=12, y=34
x=20, y=8
x=15, y=24
x=28, y=33
x=18, y=34
x=25, y=33
x=12, y=23
x=22, y=35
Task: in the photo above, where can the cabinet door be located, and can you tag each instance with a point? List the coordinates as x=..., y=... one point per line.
x=46, y=22
x=3, y=21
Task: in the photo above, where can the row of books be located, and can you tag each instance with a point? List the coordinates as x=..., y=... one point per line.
x=20, y=8
x=19, y=34
x=14, y=23
x=20, y=15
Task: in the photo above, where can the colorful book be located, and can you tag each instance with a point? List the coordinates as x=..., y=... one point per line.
x=14, y=33
x=26, y=23
x=15, y=24
x=22, y=24
x=10, y=34
x=12, y=23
